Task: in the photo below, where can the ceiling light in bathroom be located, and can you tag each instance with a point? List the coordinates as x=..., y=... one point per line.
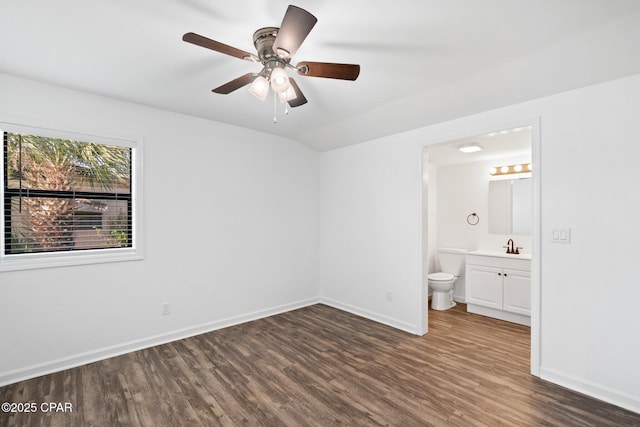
x=470, y=148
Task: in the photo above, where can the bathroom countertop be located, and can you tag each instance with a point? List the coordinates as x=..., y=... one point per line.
x=500, y=254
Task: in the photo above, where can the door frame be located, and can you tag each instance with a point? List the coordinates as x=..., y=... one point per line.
x=536, y=284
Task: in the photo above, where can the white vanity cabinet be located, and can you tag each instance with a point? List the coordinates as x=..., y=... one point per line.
x=516, y=291
x=499, y=285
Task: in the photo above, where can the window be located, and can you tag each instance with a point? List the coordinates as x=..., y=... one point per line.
x=66, y=195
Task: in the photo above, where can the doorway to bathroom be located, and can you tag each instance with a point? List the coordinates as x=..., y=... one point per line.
x=463, y=210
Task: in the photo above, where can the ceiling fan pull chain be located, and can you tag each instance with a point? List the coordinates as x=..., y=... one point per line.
x=275, y=109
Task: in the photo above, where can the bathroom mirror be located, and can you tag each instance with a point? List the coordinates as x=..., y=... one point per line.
x=510, y=206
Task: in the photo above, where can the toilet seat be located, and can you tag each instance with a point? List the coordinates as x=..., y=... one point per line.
x=441, y=277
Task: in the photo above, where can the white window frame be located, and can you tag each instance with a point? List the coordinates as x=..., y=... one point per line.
x=92, y=256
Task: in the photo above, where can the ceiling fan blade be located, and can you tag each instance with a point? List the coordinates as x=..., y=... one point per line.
x=229, y=87
x=299, y=99
x=296, y=25
x=219, y=47
x=328, y=70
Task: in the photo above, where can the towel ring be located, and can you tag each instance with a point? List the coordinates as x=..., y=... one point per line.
x=473, y=219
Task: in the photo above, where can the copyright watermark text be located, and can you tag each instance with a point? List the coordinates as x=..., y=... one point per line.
x=11, y=407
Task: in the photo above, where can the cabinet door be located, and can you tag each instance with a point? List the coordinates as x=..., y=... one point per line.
x=484, y=286
x=517, y=291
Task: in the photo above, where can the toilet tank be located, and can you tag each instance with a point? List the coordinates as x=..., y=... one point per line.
x=452, y=260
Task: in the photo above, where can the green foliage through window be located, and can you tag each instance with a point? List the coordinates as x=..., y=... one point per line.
x=63, y=195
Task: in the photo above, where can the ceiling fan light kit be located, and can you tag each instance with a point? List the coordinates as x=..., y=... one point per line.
x=287, y=95
x=259, y=88
x=275, y=47
x=279, y=80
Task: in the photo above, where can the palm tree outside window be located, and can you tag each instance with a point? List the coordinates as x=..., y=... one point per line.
x=65, y=195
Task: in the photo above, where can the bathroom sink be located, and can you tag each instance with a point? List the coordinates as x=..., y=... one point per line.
x=499, y=254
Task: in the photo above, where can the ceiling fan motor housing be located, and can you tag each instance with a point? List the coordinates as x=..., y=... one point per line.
x=263, y=40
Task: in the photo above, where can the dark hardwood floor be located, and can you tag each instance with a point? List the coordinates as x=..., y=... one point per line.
x=319, y=366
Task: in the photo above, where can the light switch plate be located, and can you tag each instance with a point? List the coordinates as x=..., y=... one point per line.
x=561, y=235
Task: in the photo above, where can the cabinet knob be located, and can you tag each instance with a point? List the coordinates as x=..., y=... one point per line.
x=499, y=274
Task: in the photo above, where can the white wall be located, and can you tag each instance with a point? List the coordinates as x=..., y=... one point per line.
x=370, y=230
x=589, y=289
x=245, y=243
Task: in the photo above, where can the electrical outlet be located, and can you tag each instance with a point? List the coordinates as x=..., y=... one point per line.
x=389, y=296
x=166, y=308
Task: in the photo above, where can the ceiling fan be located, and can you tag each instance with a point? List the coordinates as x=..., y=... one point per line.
x=275, y=47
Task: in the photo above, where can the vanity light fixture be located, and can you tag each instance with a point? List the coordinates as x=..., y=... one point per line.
x=510, y=169
x=470, y=148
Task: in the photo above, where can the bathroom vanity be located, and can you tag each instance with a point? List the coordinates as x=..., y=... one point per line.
x=499, y=285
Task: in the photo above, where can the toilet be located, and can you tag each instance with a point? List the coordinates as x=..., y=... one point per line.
x=441, y=283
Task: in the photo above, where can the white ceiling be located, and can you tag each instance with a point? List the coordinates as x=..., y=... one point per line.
x=422, y=61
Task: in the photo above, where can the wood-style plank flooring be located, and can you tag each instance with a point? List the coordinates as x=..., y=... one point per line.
x=319, y=366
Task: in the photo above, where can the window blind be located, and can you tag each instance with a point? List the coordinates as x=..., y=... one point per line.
x=65, y=195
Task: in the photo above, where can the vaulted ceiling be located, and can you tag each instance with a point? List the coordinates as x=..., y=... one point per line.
x=422, y=61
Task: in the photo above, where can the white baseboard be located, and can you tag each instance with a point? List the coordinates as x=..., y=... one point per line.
x=75, y=360
x=394, y=323
x=499, y=314
x=632, y=403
